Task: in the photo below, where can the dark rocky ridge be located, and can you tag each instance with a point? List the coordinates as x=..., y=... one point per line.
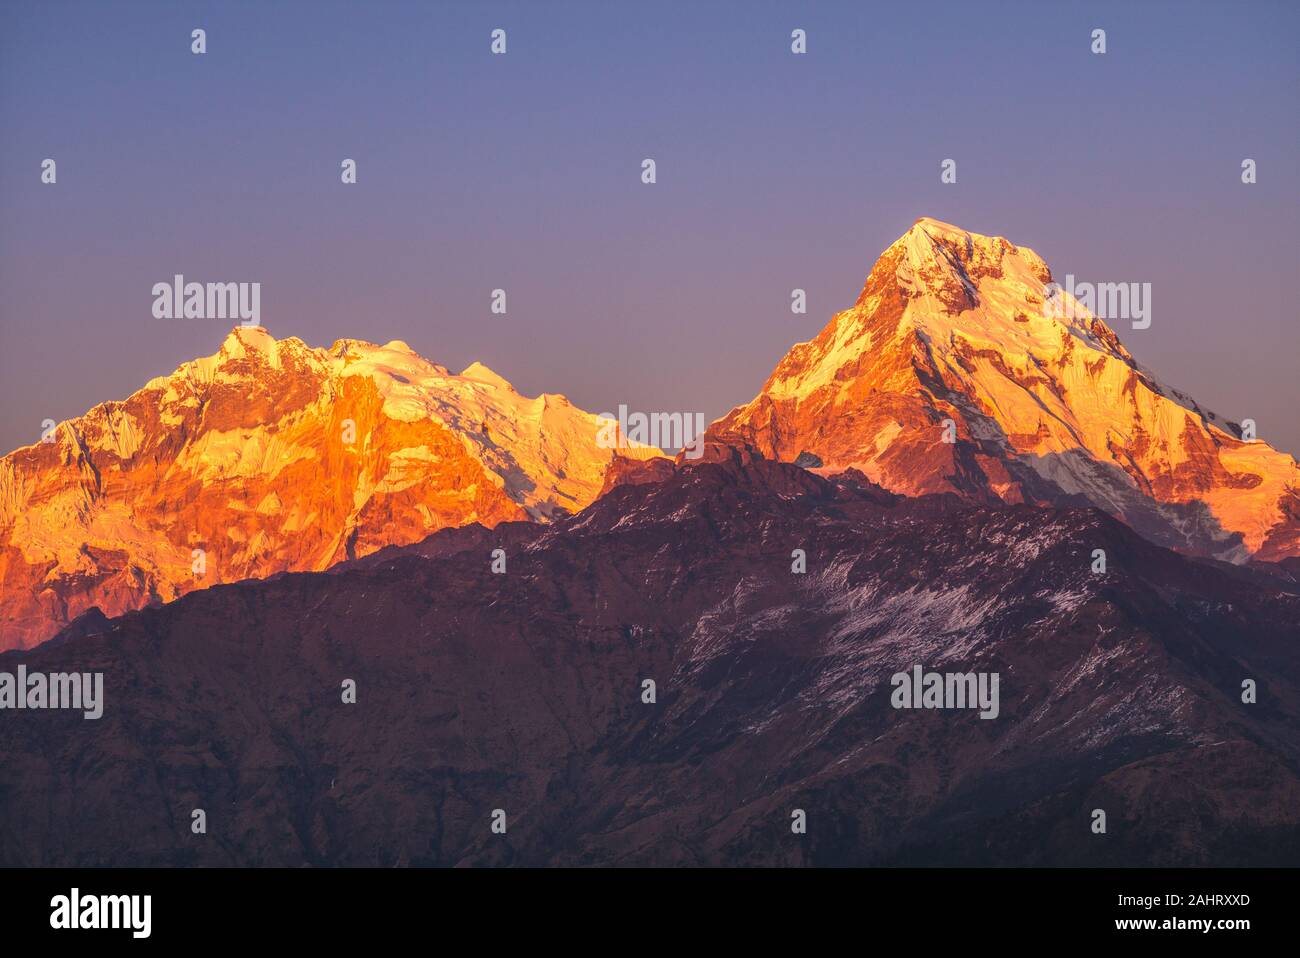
x=522, y=692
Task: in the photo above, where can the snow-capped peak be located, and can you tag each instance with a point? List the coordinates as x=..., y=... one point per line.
x=269, y=456
x=480, y=373
x=953, y=372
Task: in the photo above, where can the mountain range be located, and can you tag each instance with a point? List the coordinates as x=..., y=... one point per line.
x=948, y=374
x=560, y=653
x=271, y=456
x=524, y=692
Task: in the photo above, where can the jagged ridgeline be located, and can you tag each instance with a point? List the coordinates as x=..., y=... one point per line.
x=962, y=368
x=273, y=456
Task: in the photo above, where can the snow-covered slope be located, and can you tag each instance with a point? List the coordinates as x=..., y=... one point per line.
x=951, y=325
x=271, y=456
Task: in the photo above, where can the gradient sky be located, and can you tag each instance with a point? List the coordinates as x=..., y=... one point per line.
x=523, y=171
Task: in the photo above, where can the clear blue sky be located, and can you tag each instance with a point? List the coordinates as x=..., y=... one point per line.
x=522, y=171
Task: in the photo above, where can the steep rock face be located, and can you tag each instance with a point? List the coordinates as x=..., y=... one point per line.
x=1047, y=409
x=524, y=691
x=272, y=456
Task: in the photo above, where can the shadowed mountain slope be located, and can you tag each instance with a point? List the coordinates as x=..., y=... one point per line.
x=523, y=691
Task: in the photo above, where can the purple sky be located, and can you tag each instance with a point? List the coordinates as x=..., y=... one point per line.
x=522, y=171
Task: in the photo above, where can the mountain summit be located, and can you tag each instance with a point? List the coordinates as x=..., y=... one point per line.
x=273, y=456
x=951, y=374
